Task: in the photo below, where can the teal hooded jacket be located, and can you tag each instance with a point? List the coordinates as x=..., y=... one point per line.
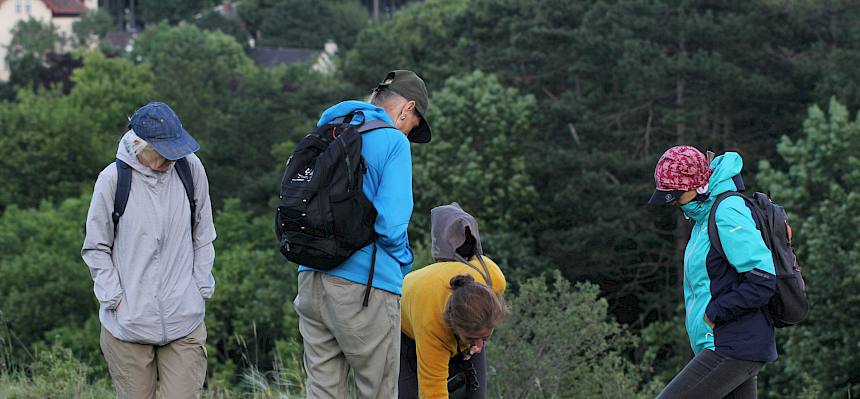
x=734, y=290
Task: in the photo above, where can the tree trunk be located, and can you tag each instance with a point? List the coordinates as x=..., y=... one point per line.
x=682, y=231
x=132, y=22
x=116, y=8
x=376, y=11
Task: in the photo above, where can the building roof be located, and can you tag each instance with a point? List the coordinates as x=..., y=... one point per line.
x=270, y=57
x=118, y=39
x=65, y=7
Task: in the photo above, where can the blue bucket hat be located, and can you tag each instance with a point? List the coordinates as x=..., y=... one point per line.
x=160, y=127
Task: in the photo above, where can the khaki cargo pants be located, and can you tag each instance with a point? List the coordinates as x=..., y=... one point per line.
x=180, y=366
x=339, y=334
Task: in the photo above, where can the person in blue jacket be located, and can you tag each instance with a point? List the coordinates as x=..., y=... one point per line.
x=725, y=299
x=339, y=333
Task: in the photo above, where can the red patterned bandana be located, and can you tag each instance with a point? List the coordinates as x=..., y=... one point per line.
x=681, y=168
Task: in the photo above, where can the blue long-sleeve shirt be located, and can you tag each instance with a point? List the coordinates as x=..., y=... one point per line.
x=388, y=186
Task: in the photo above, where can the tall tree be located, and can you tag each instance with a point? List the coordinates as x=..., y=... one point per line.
x=269, y=110
x=310, y=23
x=304, y=23
x=422, y=37
x=213, y=20
x=173, y=11
x=253, y=12
x=819, y=188
x=617, y=83
x=475, y=160
x=197, y=72
x=51, y=145
x=829, y=49
x=237, y=111
x=92, y=27
x=27, y=52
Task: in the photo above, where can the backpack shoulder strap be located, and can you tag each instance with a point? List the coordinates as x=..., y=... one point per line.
x=713, y=233
x=364, y=127
x=184, y=171
x=485, y=273
x=123, y=187
x=373, y=125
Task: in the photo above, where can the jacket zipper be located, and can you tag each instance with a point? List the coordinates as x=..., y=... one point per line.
x=157, y=298
x=686, y=277
x=687, y=280
x=161, y=316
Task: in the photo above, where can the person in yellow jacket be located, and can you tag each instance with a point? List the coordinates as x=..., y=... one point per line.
x=448, y=310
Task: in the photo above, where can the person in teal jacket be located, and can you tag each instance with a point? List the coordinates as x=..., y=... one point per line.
x=725, y=298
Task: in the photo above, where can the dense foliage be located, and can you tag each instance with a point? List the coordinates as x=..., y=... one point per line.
x=820, y=190
x=548, y=117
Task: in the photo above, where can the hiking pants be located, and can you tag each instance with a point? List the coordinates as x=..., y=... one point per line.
x=408, y=384
x=180, y=366
x=711, y=375
x=340, y=334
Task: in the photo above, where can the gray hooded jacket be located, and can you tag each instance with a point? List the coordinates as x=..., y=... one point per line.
x=151, y=277
x=448, y=224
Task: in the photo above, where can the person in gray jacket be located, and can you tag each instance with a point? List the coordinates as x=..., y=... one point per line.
x=152, y=264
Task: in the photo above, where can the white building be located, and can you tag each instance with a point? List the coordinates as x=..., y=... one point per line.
x=60, y=13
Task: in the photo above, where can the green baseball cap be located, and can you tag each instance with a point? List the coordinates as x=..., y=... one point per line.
x=411, y=87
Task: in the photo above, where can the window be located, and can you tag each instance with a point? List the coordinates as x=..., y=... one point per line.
x=27, y=6
x=17, y=6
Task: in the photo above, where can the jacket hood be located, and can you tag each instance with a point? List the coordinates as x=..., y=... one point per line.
x=370, y=111
x=448, y=225
x=725, y=167
x=125, y=153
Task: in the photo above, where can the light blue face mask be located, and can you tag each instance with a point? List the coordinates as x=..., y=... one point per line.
x=693, y=209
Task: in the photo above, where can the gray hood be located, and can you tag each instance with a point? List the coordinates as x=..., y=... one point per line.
x=125, y=153
x=448, y=229
x=448, y=225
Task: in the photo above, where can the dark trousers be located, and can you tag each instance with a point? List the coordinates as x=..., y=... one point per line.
x=408, y=383
x=711, y=375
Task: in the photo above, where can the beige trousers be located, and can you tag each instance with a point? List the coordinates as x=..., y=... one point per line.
x=339, y=334
x=179, y=366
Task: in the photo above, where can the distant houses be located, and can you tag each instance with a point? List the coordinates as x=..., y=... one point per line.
x=272, y=57
x=320, y=60
x=60, y=13
x=63, y=13
x=121, y=40
x=265, y=57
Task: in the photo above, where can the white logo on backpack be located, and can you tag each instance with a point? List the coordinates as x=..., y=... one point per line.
x=305, y=176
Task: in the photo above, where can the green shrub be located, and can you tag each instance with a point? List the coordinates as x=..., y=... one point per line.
x=559, y=341
x=56, y=373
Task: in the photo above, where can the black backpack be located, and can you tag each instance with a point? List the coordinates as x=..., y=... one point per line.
x=123, y=187
x=322, y=216
x=789, y=305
